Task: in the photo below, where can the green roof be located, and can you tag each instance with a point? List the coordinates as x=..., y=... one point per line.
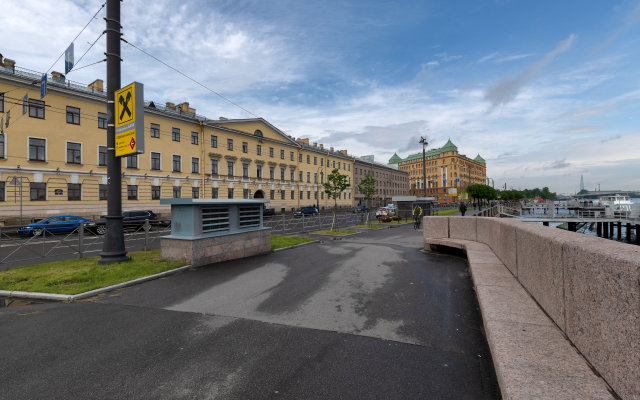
x=395, y=159
x=479, y=159
x=449, y=146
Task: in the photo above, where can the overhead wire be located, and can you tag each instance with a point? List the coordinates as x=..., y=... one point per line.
x=190, y=78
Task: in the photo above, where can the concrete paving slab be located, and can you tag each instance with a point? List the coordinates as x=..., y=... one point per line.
x=510, y=303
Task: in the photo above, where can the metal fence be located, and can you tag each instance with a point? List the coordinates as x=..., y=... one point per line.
x=42, y=245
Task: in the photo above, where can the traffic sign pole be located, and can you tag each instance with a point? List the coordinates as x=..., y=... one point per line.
x=113, y=249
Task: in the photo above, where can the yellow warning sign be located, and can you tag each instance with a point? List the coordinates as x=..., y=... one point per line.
x=125, y=105
x=126, y=143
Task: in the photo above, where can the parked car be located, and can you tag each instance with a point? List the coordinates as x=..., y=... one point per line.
x=361, y=209
x=137, y=218
x=308, y=210
x=385, y=212
x=58, y=224
x=268, y=212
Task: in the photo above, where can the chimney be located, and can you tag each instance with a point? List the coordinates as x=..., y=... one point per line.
x=98, y=85
x=222, y=118
x=330, y=148
x=321, y=146
x=57, y=76
x=171, y=106
x=305, y=141
x=315, y=144
x=10, y=65
x=343, y=152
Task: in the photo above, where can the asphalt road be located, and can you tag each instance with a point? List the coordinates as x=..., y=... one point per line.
x=366, y=317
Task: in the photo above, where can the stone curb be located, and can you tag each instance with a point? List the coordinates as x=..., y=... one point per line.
x=328, y=234
x=16, y=294
x=532, y=357
x=295, y=245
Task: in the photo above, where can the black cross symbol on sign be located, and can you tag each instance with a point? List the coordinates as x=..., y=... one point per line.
x=125, y=105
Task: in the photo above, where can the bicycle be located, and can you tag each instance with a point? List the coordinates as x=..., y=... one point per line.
x=416, y=222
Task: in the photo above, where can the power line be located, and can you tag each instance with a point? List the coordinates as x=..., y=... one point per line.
x=74, y=39
x=82, y=56
x=190, y=78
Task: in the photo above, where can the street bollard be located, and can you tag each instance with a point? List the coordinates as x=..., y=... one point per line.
x=147, y=228
x=80, y=239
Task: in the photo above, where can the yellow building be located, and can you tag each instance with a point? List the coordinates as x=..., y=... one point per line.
x=448, y=173
x=53, y=156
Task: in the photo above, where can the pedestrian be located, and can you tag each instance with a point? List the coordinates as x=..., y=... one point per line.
x=417, y=216
x=463, y=209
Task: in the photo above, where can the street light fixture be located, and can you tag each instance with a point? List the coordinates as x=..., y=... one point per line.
x=424, y=165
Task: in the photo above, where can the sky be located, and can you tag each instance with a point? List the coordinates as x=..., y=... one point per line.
x=545, y=91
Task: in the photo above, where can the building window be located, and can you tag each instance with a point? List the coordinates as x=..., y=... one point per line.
x=195, y=165
x=195, y=192
x=272, y=173
x=102, y=192
x=271, y=152
x=322, y=162
x=315, y=160
x=315, y=177
x=301, y=178
x=73, y=191
x=301, y=195
x=259, y=150
x=291, y=155
x=102, y=156
x=155, y=192
x=74, y=153
x=315, y=195
x=308, y=177
x=259, y=171
x=102, y=120
x=230, y=169
x=2, y=102
x=194, y=137
x=155, y=130
x=175, y=134
x=177, y=193
x=282, y=171
x=214, y=167
x=2, y=149
x=245, y=147
x=282, y=154
x=37, y=149
x=245, y=193
x=177, y=163
x=292, y=175
x=132, y=192
x=272, y=194
x=245, y=170
x=214, y=141
x=230, y=193
x=308, y=159
x=230, y=144
x=321, y=177
x=38, y=191
x=73, y=115
x=155, y=161
x=299, y=157
x=293, y=194
x=308, y=194
x=1, y=190
x=36, y=108
x=334, y=164
x=281, y=194
x=214, y=193
x=132, y=161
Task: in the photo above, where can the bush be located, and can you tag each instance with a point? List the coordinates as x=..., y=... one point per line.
x=386, y=218
x=396, y=218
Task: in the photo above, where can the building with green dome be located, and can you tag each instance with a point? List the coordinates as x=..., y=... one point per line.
x=448, y=173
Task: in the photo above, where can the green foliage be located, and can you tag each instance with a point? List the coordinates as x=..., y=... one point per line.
x=280, y=241
x=368, y=187
x=511, y=195
x=583, y=191
x=480, y=191
x=543, y=193
x=336, y=184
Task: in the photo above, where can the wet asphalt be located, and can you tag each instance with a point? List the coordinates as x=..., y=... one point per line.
x=366, y=317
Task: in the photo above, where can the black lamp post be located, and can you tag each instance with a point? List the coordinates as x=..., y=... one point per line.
x=424, y=165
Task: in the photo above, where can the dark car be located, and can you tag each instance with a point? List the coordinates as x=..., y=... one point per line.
x=308, y=210
x=137, y=218
x=361, y=209
x=59, y=224
x=268, y=212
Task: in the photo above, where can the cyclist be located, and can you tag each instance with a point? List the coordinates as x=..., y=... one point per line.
x=417, y=217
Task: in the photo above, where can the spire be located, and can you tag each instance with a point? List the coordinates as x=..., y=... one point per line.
x=395, y=159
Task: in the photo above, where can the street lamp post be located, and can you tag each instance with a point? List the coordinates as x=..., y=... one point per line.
x=424, y=165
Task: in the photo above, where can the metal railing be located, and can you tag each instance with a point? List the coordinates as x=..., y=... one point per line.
x=43, y=245
x=287, y=223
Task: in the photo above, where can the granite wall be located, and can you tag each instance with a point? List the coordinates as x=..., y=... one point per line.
x=589, y=286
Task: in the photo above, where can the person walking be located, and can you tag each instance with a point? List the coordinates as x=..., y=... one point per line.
x=463, y=209
x=417, y=217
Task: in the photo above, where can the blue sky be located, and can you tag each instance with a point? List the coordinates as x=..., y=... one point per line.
x=545, y=91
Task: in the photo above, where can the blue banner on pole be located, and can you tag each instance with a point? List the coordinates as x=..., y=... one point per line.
x=25, y=99
x=68, y=59
x=43, y=86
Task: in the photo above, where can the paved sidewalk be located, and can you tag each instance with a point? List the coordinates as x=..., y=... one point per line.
x=368, y=316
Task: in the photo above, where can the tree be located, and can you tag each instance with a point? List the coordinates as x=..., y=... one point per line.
x=335, y=185
x=368, y=188
x=479, y=191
